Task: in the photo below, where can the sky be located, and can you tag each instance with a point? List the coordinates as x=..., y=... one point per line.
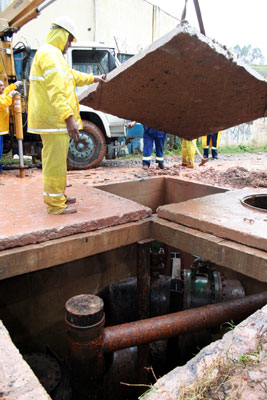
x=229, y=22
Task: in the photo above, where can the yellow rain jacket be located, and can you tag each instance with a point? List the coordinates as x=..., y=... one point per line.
x=5, y=102
x=52, y=97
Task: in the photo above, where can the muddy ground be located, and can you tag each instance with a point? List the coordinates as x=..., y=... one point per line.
x=234, y=171
x=231, y=171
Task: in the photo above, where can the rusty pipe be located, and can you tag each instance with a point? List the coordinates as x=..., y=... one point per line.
x=171, y=325
x=85, y=318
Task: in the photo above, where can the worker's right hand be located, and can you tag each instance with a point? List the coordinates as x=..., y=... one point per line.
x=99, y=78
x=18, y=84
x=72, y=128
x=13, y=93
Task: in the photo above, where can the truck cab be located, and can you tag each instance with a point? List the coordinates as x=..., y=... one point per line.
x=99, y=129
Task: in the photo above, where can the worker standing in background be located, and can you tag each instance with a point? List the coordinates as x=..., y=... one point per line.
x=211, y=141
x=188, y=153
x=150, y=137
x=6, y=95
x=53, y=110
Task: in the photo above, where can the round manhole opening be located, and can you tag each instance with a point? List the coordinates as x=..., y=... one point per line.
x=256, y=202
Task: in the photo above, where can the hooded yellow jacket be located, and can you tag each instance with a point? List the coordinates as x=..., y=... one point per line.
x=52, y=97
x=5, y=102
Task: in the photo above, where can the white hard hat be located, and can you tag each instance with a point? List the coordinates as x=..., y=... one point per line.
x=66, y=23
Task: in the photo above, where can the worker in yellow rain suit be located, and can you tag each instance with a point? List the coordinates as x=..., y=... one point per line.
x=188, y=153
x=53, y=110
x=211, y=141
x=6, y=95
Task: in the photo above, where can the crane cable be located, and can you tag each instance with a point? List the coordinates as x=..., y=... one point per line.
x=199, y=16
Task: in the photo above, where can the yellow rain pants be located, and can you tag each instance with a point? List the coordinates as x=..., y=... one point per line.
x=188, y=153
x=54, y=165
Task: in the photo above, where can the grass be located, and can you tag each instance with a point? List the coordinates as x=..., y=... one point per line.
x=217, y=383
x=175, y=151
x=7, y=159
x=243, y=149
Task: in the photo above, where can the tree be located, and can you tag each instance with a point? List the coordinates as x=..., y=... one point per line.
x=249, y=54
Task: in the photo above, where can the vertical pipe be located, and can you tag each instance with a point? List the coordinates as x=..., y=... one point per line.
x=143, y=302
x=85, y=319
x=19, y=131
x=155, y=22
x=143, y=278
x=95, y=17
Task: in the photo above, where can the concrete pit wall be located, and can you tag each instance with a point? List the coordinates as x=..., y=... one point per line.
x=156, y=192
x=32, y=305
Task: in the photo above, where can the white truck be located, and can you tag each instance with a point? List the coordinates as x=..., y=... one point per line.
x=102, y=133
x=99, y=129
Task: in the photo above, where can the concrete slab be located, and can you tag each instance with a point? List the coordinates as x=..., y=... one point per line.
x=222, y=215
x=16, y=378
x=25, y=220
x=184, y=84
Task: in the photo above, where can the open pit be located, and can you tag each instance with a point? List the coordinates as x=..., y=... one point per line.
x=47, y=260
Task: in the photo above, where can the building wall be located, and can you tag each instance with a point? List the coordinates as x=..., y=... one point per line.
x=129, y=24
x=81, y=11
x=251, y=134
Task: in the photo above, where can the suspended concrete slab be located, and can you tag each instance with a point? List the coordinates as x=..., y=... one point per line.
x=184, y=84
x=223, y=215
x=25, y=220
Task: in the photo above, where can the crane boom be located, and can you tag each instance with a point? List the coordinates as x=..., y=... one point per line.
x=19, y=13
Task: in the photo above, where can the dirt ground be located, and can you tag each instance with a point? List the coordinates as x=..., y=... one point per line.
x=230, y=171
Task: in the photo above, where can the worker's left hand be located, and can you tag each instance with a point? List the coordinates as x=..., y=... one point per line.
x=18, y=83
x=99, y=78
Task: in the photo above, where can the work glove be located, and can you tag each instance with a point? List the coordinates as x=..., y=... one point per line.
x=18, y=84
x=13, y=93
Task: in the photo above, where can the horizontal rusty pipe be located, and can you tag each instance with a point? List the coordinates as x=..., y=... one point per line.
x=171, y=325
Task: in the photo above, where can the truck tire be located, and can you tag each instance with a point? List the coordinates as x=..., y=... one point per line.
x=89, y=150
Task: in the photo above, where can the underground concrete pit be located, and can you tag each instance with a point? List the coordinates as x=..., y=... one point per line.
x=86, y=262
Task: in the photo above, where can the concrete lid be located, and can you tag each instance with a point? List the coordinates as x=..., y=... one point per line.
x=222, y=215
x=184, y=84
x=24, y=219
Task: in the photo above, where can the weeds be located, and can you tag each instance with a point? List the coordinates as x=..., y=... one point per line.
x=231, y=325
x=9, y=160
x=222, y=378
